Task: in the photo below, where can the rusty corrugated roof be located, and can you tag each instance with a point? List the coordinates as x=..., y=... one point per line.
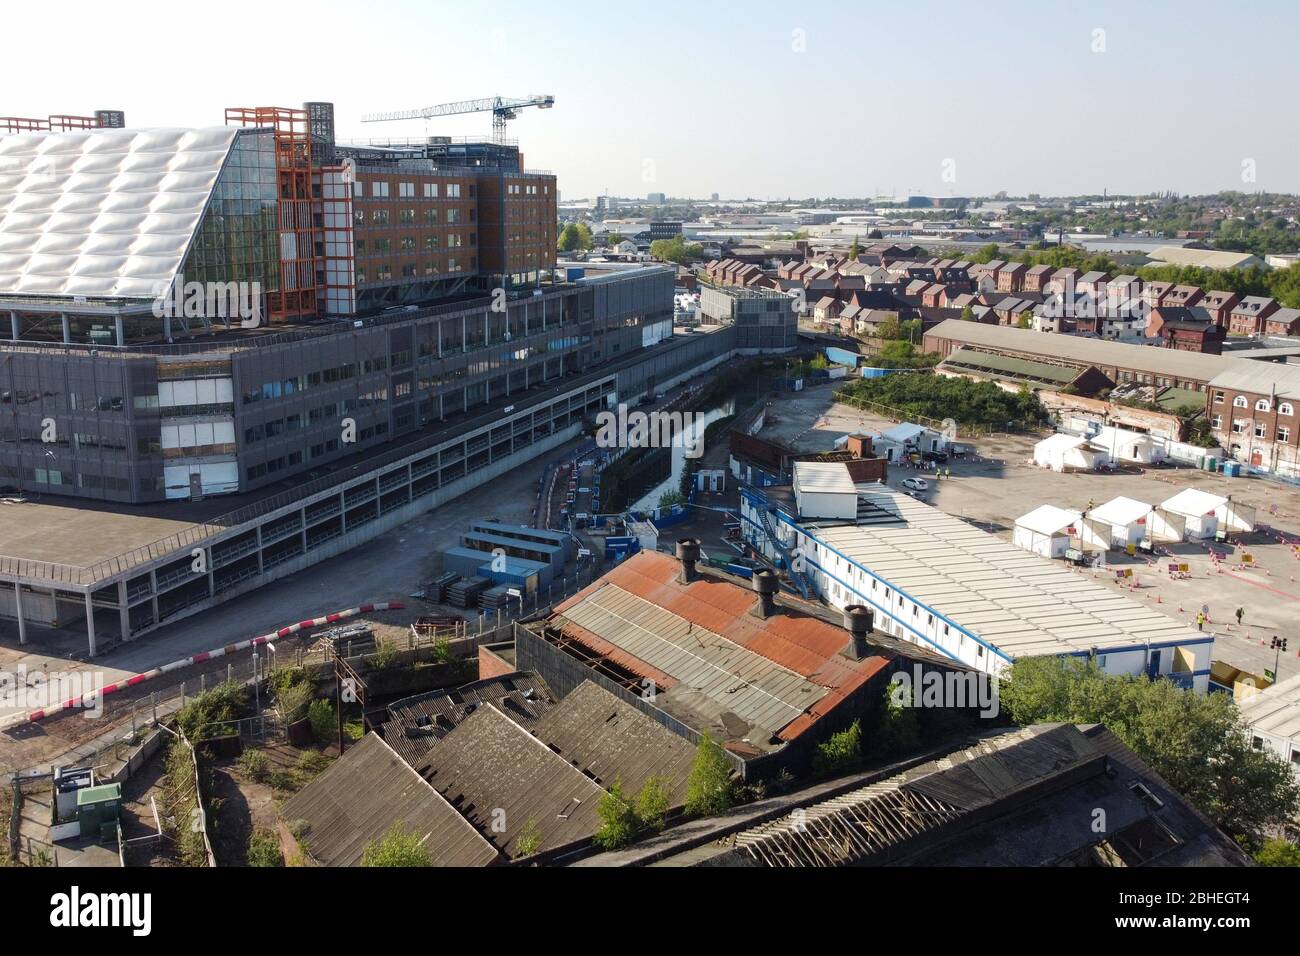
x=797, y=642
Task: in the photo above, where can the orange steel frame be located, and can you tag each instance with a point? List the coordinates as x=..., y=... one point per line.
x=293, y=169
x=22, y=124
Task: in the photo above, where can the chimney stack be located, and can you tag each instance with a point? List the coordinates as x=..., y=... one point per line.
x=858, y=621
x=765, y=584
x=688, y=552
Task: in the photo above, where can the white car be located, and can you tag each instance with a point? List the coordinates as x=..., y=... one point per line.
x=916, y=484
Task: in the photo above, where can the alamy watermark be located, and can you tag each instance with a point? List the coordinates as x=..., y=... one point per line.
x=952, y=689
x=622, y=427
x=209, y=300
x=21, y=689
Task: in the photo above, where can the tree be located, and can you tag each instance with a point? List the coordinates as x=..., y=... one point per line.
x=618, y=821
x=875, y=234
x=653, y=802
x=1196, y=742
x=570, y=238
x=709, y=787
x=855, y=250
x=400, y=846
x=967, y=314
x=676, y=250
x=613, y=239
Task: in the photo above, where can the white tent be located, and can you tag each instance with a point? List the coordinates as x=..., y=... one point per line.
x=1189, y=515
x=1118, y=523
x=1124, y=445
x=1065, y=453
x=1046, y=531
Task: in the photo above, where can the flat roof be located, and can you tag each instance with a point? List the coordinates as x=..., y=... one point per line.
x=1020, y=603
x=1275, y=710
x=817, y=477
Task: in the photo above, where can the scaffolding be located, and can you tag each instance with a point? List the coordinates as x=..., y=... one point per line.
x=299, y=235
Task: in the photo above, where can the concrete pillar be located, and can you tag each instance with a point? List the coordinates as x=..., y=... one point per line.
x=18, y=609
x=90, y=623
x=13, y=323
x=123, y=611
x=67, y=328
x=121, y=335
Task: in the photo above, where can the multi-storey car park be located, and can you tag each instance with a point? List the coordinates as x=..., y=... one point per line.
x=412, y=340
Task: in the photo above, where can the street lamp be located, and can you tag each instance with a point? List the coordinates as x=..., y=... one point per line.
x=1278, y=645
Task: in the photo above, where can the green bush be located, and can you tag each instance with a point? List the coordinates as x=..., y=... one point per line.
x=400, y=846
x=385, y=654
x=312, y=762
x=225, y=702
x=324, y=723
x=253, y=765
x=843, y=749
x=264, y=848
x=282, y=780
x=1276, y=852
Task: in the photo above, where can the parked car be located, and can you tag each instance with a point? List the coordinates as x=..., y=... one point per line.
x=916, y=484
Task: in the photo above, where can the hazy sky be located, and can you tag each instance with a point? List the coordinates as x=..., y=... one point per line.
x=763, y=99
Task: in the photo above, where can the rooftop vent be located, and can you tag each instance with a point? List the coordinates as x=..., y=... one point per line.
x=765, y=584
x=688, y=552
x=858, y=621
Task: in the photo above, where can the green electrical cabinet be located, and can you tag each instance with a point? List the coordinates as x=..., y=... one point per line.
x=97, y=806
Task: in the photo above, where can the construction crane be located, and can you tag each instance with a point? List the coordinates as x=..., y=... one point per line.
x=503, y=110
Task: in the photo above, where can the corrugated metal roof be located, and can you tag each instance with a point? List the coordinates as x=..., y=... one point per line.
x=723, y=675
x=610, y=740
x=504, y=780
x=797, y=642
x=1192, y=366
x=417, y=723
x=823, y=478
x=1275, y=710
x=1017, y=601
x=359, y=798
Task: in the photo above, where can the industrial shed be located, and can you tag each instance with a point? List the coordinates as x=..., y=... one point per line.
x=1046, y=531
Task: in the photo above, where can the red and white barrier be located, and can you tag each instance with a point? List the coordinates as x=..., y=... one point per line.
x=73, y=702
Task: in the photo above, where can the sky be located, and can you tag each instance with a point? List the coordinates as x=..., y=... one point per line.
x=759, y=99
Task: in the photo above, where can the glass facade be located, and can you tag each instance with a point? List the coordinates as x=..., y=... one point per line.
x=238, y=238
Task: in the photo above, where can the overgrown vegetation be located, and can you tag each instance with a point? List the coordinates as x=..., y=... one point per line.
x=324, y=722
x=1278, y=852
x=842, y=750
x=264, y=848
x=292, y=692
x=312, y=763
x=709, y=788
x=934, y=397
x=624, y=818
x=1196, y=742
x=400, y=846
x=199, y=718
x=181, y=807
x=529, y=840
x=385, y=654
x=253, y=765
